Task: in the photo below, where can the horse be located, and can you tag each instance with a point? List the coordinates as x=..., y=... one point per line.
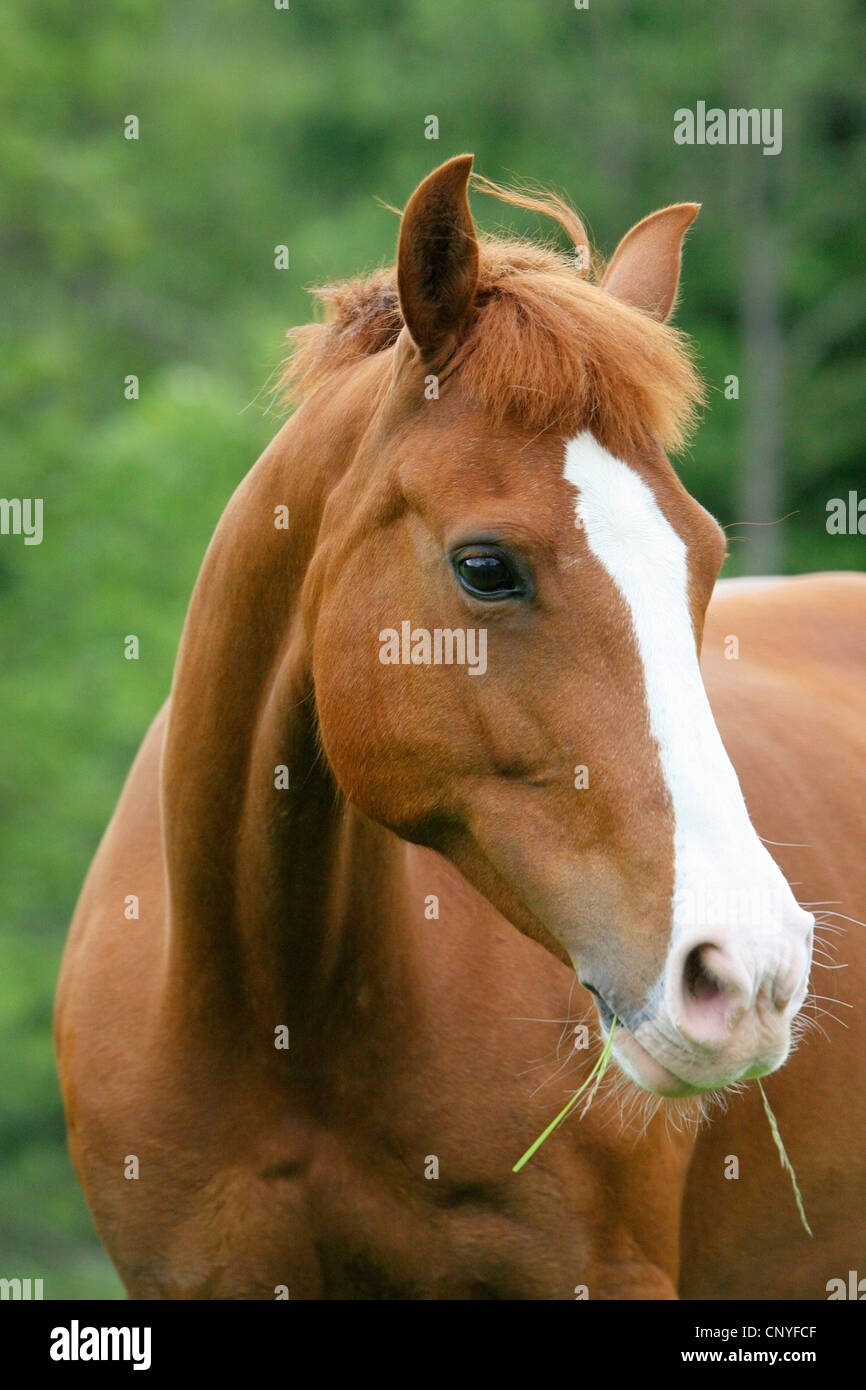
x=369, y=906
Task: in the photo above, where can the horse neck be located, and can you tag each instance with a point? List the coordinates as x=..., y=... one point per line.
x=277, y=895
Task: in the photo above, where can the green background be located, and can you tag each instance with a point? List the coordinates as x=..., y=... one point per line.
x=261, y=127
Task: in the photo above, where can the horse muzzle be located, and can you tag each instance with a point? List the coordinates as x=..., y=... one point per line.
x=721, y=1013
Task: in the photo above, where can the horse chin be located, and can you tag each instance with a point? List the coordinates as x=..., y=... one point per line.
x=636, y=1061
x=645, y=1071
x=642, y=1067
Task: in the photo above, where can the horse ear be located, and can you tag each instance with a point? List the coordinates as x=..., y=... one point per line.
x=645, y=268
x=437, y=257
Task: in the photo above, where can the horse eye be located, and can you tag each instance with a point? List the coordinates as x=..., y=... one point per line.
x=488, y=575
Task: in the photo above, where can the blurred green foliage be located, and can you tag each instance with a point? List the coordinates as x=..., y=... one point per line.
x=258, y=127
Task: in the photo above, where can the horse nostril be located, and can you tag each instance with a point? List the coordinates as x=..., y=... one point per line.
x=781, y=997
x=700, y=984
x=726, y=994
x=710, y=993
x=784, y=987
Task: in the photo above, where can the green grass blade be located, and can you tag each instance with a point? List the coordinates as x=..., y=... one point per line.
x=595, y=1075
x=784, y=1159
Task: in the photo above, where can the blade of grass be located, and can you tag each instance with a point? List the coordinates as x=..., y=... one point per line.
x=595, y=1075
x=784, y=1159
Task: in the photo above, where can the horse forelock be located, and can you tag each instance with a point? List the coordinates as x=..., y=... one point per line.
x=544, y=347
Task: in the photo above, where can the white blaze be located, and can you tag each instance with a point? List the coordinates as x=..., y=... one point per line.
x=723, y=873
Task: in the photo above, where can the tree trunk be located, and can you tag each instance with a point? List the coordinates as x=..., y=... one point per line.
x=760, y=484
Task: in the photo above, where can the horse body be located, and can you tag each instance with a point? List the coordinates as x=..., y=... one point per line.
x=403, y=906
x=793, y=716
x=310, y=1168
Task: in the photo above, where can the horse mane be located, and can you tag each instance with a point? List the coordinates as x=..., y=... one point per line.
x=546, y=348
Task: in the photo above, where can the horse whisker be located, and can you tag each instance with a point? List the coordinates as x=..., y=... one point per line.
x=855, y=920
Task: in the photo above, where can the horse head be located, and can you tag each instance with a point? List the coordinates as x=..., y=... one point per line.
x=505, y=608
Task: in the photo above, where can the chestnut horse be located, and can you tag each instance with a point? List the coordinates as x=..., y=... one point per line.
x=439, y=778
